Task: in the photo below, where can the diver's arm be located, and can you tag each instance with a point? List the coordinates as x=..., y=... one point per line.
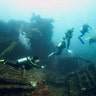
x=37, y=66
x=81, y=29
x=89, y=27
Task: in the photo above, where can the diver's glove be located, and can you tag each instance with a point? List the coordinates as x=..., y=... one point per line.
x=42, y=67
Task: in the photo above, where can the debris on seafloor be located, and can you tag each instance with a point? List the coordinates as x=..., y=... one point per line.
x=74, y=81
x=13, y=84
x=76, y=76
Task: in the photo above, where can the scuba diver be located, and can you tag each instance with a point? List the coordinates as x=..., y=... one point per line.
x=68, y=36
x=60, y=48
x=23, y=63
x=65, y=43
x=92, y=39
x=84, y=29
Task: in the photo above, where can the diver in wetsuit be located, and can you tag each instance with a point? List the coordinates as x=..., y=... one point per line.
x=92, y=39
x=23, y=63
x=68, y=36
x=60, y=48
x=65, y=43
x=84, y=29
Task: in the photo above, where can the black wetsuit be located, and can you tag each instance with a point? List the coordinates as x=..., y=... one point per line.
x=60, y=47
x=84, y=29
x=23, y=63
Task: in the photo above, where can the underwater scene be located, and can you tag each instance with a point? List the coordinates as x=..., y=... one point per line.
x=47, y=48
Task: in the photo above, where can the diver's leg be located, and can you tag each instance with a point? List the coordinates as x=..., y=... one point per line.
x=23, y=72
x=79, y=37
x=11, y=64
x=53, y=53
x=68, y=44
x=59, y=51
x=82, y=35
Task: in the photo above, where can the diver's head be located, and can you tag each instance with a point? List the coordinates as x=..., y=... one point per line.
x=36, y=59
x=63, y=38
x=85, y=24
x=72, y=29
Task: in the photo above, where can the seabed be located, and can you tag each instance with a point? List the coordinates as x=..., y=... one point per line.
x=69, y=79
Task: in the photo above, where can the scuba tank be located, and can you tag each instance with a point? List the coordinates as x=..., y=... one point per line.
x=22, y=60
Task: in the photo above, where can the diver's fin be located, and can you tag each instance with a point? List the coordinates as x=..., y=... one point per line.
x=69, y=51
x=51, y=54
x=81, y=40
x=87, y=38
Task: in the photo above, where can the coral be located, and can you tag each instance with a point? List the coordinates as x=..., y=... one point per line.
x=42, y=90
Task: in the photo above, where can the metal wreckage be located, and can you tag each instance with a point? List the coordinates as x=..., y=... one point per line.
x=69, y=76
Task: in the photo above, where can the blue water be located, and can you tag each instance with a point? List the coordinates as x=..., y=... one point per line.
x=66, y=13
